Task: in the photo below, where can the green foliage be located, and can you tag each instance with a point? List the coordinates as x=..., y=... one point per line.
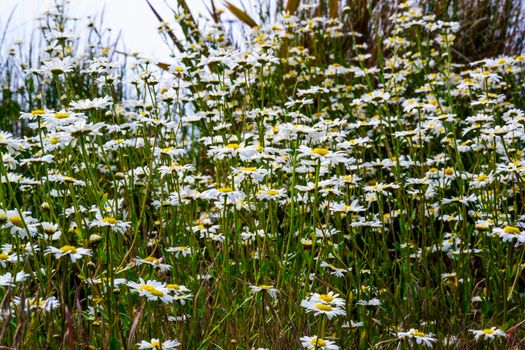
x=322, y=183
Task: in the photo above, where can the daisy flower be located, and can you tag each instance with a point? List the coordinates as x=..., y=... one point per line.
x=73, y=252
x=180, y=297
x=156, y=344
x=155, y=262
x=315, y=153
x=48, y=304
x=8, y=257
x=352, y=324
x=330, y=299
x=353, y=207
x=371, y=302
x=82, y=127
x=488, y=333
x=177, y=288
x=111, y=222
x=169, y=151
x=265, y=288
x=51, y=230
x=318, y=343
x=510, y=233
x=8, y=280
x=96, y=103
x=58, y=66
x=271, y=193
x=20, y=223
x=182, y=250
x=335, y=271
x=222, y=151
x=13, y=144
x=223, y=192
x=420, y=337
x=153, y=290
x=319, y=308
x=107, y=282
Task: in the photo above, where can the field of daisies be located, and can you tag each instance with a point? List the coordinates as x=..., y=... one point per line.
x=277, y=194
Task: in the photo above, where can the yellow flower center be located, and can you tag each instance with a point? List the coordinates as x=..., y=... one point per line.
x=326, y=298
x=33, y=302
x=320, y=151
x=54, y=140
x=449, y=171
x=318, y=342
x=155, y=344
x=173, y=286
x=488, y=331
x=249, y=169
x=233, y=146
x=61, y=115
x=272, y=192
x=150, y=259
x=225, y=189
x=482, y=227
x=482, y=177
x=16, y=220
x=323, y=307
x=512, y=230
x=38, y=112
x=109, y=220
x=151, y=290
x=418, y=333
x=265, y=286
x=68, y=249
x=4, y=256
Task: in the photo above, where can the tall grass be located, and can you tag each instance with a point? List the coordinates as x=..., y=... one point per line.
x=488, y=27
x=303, y=189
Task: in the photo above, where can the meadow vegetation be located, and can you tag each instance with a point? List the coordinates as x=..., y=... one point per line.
x=322, y=183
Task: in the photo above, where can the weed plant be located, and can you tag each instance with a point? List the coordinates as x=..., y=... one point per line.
x=281, y=195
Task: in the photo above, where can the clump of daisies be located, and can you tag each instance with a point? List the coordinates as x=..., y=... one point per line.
x=304, y=188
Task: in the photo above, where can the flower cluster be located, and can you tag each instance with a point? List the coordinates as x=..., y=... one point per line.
x=304, y=188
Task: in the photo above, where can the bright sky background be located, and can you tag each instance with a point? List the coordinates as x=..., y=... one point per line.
x=132, y=18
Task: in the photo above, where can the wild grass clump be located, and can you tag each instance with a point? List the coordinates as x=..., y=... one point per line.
x=275, y=195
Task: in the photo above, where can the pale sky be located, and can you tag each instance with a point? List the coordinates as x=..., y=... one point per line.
x=133, y=18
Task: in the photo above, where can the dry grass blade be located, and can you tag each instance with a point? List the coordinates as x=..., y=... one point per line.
x=333, y=6
x=22, y=322
x=172, y=35
x=3, y=308
x=213, y=12
x=134, y=326
x=69, y=336
x=187, y=12
x=163, y=66
x=240, y=14
x=292, y=6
